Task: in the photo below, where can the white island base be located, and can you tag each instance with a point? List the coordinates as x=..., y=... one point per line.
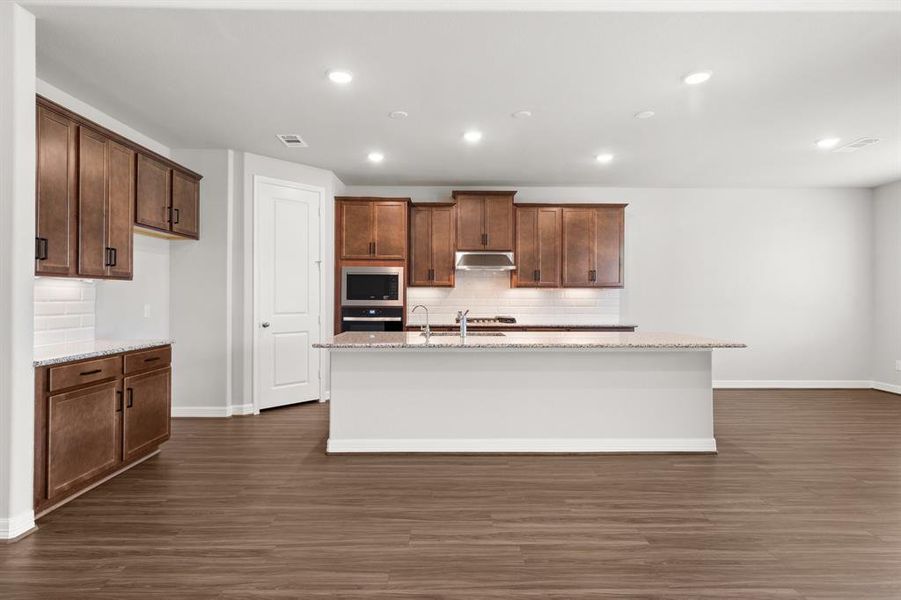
x=520, y=400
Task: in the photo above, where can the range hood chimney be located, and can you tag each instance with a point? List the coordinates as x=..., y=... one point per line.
x=484, y=261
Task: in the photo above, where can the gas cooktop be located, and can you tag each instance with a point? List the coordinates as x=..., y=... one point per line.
x=498, y=320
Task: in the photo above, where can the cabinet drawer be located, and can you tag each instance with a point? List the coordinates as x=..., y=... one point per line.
x=148, y=359
x=67, y=376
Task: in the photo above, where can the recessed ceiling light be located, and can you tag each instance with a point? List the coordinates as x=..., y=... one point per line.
x=473, y=136
x=828, y=143
x=696, y=78
x=342, y=77
x=398, y=114
x=604, y=158
x=645, y=114
x=522, y=114
x=375, y=157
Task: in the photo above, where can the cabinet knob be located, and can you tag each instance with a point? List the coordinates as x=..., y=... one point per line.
x=265, y=324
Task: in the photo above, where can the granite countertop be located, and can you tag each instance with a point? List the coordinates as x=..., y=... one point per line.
x=363, y=340
x=71, y=351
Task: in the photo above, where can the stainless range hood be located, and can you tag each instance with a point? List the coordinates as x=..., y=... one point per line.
x=484, y=261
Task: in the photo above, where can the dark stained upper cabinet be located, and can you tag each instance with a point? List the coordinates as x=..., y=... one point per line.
x=93, y=186
x=372, y=228
x=432, y=237
x=539, y=233
x=484, y=220
x=153, y=192
x=593, y=243
x=55, y=209
x=185, y=204
x=105, y=201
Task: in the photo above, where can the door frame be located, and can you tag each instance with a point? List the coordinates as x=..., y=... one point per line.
x=257, y=181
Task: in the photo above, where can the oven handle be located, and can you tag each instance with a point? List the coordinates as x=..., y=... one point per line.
x=371, y=319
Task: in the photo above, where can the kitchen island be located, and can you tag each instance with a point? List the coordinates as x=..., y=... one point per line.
x=521, y=392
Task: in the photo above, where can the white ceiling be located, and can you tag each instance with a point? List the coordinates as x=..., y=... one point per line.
x=233, y=78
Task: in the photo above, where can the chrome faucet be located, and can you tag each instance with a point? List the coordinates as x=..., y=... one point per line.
x=426, y=331
x=461, y=318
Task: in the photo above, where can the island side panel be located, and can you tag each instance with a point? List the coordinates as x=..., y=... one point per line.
x=521, y=401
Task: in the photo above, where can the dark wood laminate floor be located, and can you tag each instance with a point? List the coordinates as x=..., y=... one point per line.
x=803, y=501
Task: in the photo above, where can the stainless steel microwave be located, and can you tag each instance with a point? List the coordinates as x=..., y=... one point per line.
x=372, y=286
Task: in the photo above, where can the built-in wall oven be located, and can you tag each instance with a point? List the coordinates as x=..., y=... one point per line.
x=372, y=298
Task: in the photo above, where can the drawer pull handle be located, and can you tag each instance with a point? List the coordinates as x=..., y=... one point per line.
x=94, y=372
x=119, y=401
x=151, y=359
x=131, y=398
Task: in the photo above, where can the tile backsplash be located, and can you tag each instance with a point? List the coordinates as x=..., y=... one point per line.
x=488, y=293
x=63, y=310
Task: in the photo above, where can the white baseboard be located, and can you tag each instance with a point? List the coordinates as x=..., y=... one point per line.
x=887, y=387
x=19, y=525
x=511, y=445
x=815, y=384
x=213, y=412
x=241, y=409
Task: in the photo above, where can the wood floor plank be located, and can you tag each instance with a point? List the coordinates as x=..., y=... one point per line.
x=803, y=501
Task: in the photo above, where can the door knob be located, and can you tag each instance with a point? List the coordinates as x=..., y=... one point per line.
x=265, y=324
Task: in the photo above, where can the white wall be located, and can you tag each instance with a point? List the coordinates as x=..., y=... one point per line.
x=247, y=166
x=17, y=169
x=138, y=309
x=887, y=288
x=200, y=293
x=787, y=271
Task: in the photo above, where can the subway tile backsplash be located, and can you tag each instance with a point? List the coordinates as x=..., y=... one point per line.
x=489, y=293
x=63, y=310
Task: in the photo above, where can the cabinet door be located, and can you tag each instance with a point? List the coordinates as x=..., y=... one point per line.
x=550, y=240
x=356, y=229
x=470, y=222
x=93, y=178
x=185, y=204
x=120, y=212
x=579, y=243
x=539, y=232
x=83, y=433
x=55, y=211
x=153, y=194
x=526, y=252
x=147, y=408
x=389, y=230
x=608, y=262
x=420, y=246
x=499, y=223
x=443, y=224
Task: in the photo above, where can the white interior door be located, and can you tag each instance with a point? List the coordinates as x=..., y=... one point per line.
x=287, y=279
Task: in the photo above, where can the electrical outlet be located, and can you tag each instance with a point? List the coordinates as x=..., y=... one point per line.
x=898, y=365
x=146, y=311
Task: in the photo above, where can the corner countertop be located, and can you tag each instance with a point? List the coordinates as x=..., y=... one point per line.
x=71, y=351
x=363, y=340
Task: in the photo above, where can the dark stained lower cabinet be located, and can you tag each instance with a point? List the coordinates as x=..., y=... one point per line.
x=83, y=432
x=103, y=415
x=146, y=423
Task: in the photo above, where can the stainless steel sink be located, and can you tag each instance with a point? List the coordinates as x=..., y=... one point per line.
x=469, y=334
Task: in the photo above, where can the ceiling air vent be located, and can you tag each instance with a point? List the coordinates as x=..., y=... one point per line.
x=292, y=140
x=857, y=144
